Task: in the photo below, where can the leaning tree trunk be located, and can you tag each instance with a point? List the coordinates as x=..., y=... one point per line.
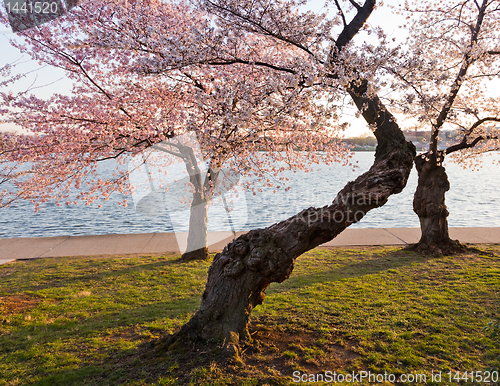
x=239, y=276
x=429, y=205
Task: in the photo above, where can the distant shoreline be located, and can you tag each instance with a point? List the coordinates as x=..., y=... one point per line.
x=363, y=149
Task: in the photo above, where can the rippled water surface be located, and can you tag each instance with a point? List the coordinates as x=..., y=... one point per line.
x=473, y=200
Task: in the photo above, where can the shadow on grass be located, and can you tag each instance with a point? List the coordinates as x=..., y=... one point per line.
x=107, y=349
x=388, y=261
x=110, y=347
x=95, y=272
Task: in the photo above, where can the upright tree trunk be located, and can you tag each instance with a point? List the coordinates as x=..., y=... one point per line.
x=198, y=215
x=197, y=234
x=429, y=205
x=239, y=276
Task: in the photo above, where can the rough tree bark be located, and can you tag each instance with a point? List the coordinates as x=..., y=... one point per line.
x=239, y=276
x=429, y=200
x=429, y=205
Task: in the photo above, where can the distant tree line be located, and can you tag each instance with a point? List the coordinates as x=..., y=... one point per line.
x=365, y=140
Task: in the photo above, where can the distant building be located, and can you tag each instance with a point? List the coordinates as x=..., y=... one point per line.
x=421, y=138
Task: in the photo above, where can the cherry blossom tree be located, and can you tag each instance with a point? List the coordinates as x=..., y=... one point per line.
x=122, y=104
x=239, y=276
x=447, y=81
x=9, y=171
x=295, y=53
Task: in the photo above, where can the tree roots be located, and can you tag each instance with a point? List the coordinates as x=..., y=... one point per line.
x=198, y=254
x=447, y=247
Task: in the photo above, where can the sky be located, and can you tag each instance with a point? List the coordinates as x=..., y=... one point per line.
x=45, y=80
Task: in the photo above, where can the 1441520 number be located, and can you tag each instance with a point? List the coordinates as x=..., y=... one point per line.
x=29, y=7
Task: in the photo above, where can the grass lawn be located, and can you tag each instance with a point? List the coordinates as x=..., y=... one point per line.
x=89, y=320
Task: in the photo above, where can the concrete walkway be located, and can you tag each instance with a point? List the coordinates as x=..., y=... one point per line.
x=30, y=248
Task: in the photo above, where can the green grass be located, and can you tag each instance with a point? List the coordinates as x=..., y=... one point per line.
x=86, y=321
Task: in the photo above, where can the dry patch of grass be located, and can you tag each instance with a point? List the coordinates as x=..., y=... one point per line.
x=16, y=304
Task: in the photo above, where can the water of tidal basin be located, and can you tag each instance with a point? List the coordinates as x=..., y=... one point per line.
x=472, y=202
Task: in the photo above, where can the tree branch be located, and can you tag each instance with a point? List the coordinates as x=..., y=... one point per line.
x=464, y=145
x=355, y=5
x=355, y=25
x=196, y=82
x=111, y=157
x=479, y=123
x=455, y=88
x=222, y=62
x=260, y=26
x=341, y=13
x=387, y=131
